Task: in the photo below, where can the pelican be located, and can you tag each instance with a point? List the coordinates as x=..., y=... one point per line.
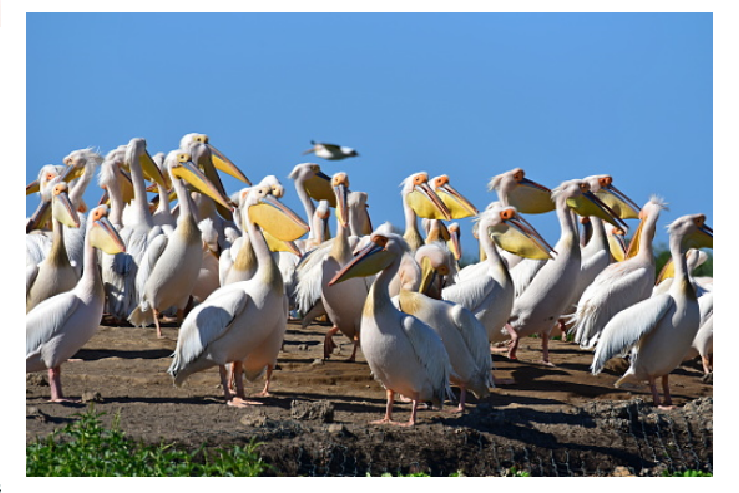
x=486, y=288
x=437, y=269
x=420, y=200
x=171, y=263
x=116, y=185
x=661, y=329
x=403, y=353
x=538, y=308
x=312, y=184
x=57, y=327
x=55, y=274
x=695, y=259
x=242, y=323
x=137, y=233
x=163, y=215
x=465, y=340
x=331, y=152
x=38, y=241
x=621, y=284
x=207, y=280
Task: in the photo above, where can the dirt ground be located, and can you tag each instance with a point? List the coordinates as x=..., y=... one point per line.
x=559, y=421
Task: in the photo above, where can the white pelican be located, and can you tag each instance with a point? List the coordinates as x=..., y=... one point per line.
x=486, y=288
x=55, y=274
x=695, y=259
x=207, y=280
x=242, y=323
x=403, y=353
x=116, y=185
x=312, y=184
x=163, y=215
x=420, y=200
x=137, y=233
x=437, y=269
x=621, y=284
x=38, y=237
x=465, y=340
x=330, y=151
x=661, y=329
x=62, y=324
x=171, y=263
x=538, y=308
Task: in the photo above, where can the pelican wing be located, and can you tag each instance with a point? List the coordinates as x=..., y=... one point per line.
x=207, y=323
x=430, y=353
x=474, y=334
x=48, y=319
x=470, y=293
x=309, y=273
x=628, y=326
x=153, y=252
x=524, y=272
x=613, y=290
x=31, y=273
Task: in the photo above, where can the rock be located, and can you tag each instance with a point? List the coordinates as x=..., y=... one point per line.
x=254, y=420
x=622, y=472
x=321, y=410
x=318, y=361
x=37, y=379
x=36, y=413
x=91, y=397
x=336, y=428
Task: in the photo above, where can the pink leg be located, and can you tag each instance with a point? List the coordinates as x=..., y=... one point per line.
x=354, y=351
x=545, y=349
x=328, y=342
x=239, y=401
x=225, y=381
x=514, y=342
x=462, y=398
x=666, y=397
x=231, y=376
x=706, y=365
x=265, y=391
x=388, y=409
x=653, y=387
x=156, y=321
x=412, y=420
x=55, y=381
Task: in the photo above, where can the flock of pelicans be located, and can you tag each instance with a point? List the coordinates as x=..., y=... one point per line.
x=232, y=270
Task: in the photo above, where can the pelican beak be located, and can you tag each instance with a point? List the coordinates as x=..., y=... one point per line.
x=186, y=170
x=454, y=246
x=517, y=236
x=105, y=198
x=588, y=204
x=616, y=245
x=703, y=237
x=367, y=262
x=151, y=170
x=458, y=206
x=277, y=219
x=126, y=186
x=428, y=275
x=224, y=164
x=33, y=187
x=342, y=209
x=667, y=272
x=202, y=155
x=368, y=222
x=276, y=245
x=530, y=197
x=318, y=187
x=62, y=210
x=623, y=206
x=426, y=204
x=105, y=237
x=40, y=216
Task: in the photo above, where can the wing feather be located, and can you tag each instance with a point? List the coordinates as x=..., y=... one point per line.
x=470, y=293
x=628, y=326
x=48, y=319
x=430, y=352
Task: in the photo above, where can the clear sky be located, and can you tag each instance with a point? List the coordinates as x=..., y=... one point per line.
x=562, y=95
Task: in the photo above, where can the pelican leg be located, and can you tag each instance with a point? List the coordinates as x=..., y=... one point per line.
x=180, y=317
x=412, y=420
x=328, y=342
x=265, y=391
x=55, y=381
x=156, y=321
x=355, y=341
x=388, y=409
x=225, y=380
x=230, y=367
x=239, y=401
x=666, y=397
x=462, y=398
x=707, y=364
x=653, y=387
x=514, y=342
x=545, y=349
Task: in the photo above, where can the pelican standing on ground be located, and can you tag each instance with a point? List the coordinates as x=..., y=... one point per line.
x=242, y=323
x=661, y=329
x=171, y=263
x=621, y=284
x=538, y=308
x=403, y=352
x=59, y=326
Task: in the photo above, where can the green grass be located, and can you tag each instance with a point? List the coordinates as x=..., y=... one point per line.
x=690, y=473
x=85, y=448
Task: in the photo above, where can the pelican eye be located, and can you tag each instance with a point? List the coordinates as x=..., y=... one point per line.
x=379, y=240
x=605, y=181
x=421, y=178
x=584, y=187
x=443, y=270
x=507, y=213
x=59, y=188
x=441, y=180
x=50, y=176
x=699, y=221
x=518, y=175
x=183, y=158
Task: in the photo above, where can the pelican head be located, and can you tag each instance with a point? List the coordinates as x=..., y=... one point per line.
x=61, y=207
x=422, y=199
x=513, y=233
x=693, y=231
x=528, y=197
x=316, y=183
x=278, y=190
x=436, y=263
x=137, y=151
x=583, y=201
x=459, y=206
x=271, y=215
x=377, y=255
x=220, y=161
x=102, y=234
x=46, y=175
x=180, y=166
x=616, y=242
x=623, y=206
x=649, y=212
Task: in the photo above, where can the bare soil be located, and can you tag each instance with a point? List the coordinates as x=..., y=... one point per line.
x=559, y=421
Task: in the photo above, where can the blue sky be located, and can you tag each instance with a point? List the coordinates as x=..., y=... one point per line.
x=562, y=95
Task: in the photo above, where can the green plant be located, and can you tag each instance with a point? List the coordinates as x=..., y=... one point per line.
x=85, y=448
x=690, y=473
